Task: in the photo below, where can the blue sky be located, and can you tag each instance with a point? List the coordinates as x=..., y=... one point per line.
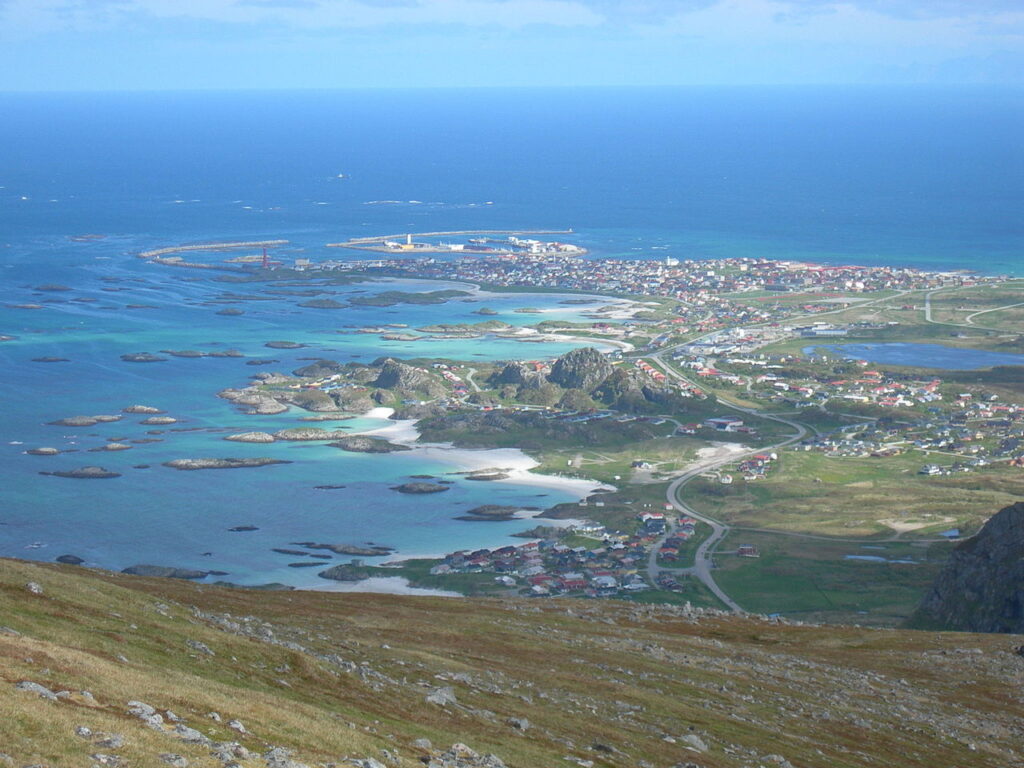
x=189, y=44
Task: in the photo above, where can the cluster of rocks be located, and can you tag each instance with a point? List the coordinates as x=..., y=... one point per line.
x=229, y=753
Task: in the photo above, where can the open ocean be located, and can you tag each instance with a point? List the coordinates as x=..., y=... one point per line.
x=925, y=178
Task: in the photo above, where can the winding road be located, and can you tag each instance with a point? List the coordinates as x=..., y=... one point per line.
x=703, y=562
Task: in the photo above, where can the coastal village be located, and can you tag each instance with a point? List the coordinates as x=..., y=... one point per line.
x=609, y=564
x=710, y=343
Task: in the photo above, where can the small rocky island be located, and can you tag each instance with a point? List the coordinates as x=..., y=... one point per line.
x=419, y=487
x=490, y=512
x=85, y=473
x=227, y=463
x=364, y=444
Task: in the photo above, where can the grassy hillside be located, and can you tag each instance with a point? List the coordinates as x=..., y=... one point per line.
x=344, y=680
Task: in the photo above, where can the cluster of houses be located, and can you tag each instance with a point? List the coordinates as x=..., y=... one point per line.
x=564, y=268
x=669, y=551
x=548, y=567
x=964, y=436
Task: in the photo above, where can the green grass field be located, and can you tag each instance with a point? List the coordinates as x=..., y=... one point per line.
x=814, y=493
x=810, y=579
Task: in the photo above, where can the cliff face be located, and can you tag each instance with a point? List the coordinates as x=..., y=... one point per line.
x=580, y=369
x=981, y=589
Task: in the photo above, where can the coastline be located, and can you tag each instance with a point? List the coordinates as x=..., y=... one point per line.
x=381, y=585
x=512, y=461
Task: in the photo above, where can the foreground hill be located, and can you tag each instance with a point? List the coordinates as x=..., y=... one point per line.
x=981, y=587
x=98, y=668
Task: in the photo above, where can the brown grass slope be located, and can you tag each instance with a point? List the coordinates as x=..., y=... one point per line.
x=336, y=676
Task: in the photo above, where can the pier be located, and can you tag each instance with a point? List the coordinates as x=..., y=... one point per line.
x=157, y=253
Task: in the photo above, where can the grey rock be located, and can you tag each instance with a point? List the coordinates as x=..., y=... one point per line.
x=195, y=645
x=236, y=725
x=34, y=588
x=696, y=742
x=36, y=688
x=519, y=723
x=174, y=760
x=442, y=697
x=190, y=735
x=140, y=709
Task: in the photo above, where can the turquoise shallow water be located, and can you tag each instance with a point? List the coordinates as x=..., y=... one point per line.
x=163, y=516
x=887, y=176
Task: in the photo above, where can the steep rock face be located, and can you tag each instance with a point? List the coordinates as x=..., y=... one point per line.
x=518, y=374
x=981, y=589
x=406, y=378
x=580, y=369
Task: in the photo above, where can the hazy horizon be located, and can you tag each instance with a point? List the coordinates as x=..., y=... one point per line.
x=167, y=45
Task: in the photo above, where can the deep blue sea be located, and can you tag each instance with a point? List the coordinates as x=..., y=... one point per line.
x=928, y=178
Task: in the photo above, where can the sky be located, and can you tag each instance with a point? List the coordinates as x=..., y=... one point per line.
x=95, y=45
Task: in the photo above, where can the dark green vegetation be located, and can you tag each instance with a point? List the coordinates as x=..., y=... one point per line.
x=331, y=676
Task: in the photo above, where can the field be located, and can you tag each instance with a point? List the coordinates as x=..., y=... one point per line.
x=851, y=497
x=982, y=306
x=811, y=579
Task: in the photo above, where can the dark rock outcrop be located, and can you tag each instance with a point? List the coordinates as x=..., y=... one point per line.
x=345, y=572
x=518, y=374
x=364, y=444
x=347, y=549
x=981, y=588
x=490, y=512
x=321, y=368
x=582, y=369
x=420, y=488
x=407, y=378
x=85, y=473
x=165, y=572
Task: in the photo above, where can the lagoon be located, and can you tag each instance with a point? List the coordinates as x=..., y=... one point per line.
x=914, y=355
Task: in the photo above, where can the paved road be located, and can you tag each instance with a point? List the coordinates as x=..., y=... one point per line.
x=470, y=373
x=701, y=568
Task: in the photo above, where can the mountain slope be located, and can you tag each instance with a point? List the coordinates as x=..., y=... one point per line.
x=337, y=678
x=981, y=588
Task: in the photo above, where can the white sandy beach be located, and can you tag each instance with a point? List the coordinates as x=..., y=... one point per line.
x=511, y=461
x=388, y=585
